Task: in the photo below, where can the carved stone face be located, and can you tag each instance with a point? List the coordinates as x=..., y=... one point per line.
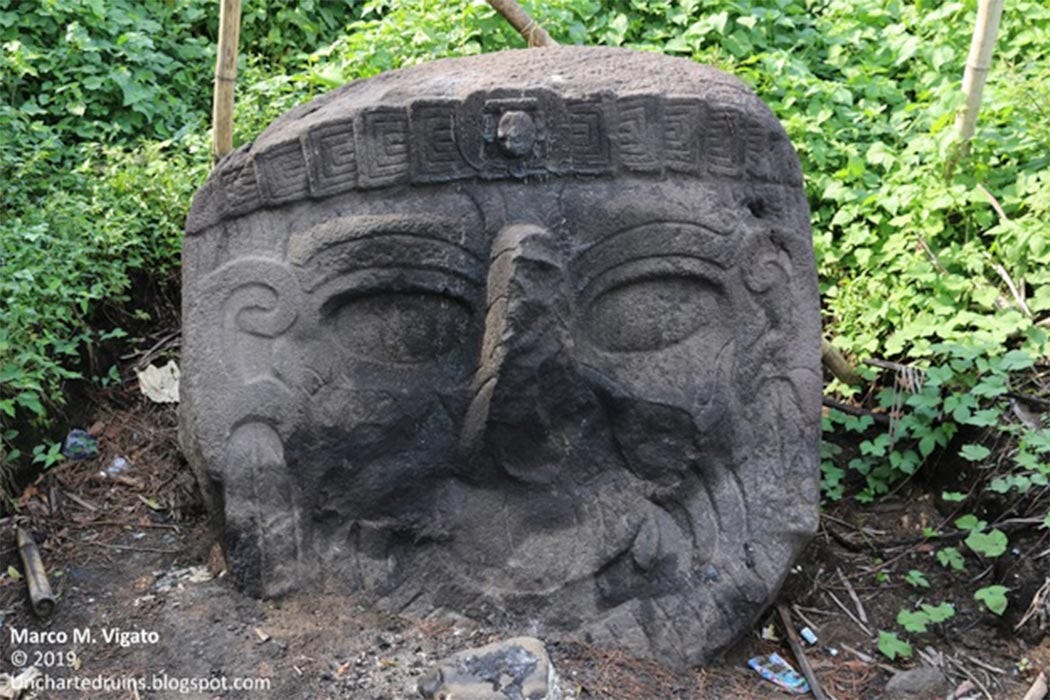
x=501, y=340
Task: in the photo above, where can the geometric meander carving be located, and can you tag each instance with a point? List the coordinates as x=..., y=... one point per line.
x=532, y=336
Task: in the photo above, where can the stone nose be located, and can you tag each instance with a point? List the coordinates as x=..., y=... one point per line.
x=527, y=392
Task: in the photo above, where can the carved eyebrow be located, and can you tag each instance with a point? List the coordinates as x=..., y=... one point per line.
x=658, y=238
x=650, y=267
x=306, y=245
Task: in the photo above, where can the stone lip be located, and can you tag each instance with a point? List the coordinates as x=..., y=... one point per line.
x=511, y=669
x=441, y=122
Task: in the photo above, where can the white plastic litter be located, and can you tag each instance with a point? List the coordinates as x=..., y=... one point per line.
x=160, y=384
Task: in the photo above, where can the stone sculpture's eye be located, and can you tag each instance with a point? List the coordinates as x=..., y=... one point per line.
x=650, y=313
x=398, y=327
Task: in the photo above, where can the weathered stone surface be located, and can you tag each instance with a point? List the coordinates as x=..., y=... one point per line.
x=531, y=336
x=921, y=683
x=513, y=669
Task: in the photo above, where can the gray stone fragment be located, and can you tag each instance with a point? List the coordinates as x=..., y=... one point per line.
x=513, y=669
x=922, y=683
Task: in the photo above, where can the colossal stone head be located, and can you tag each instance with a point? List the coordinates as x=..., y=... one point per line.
x=530, y=336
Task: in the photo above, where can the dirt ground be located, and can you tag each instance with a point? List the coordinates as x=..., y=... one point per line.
x=134, y=553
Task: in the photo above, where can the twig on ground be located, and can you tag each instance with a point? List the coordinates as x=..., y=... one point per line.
x=868, y=659
x=858, y=528
x=800, y=653
x=154, y=350
x=984, y=665
x=86, y=505
x=127, y=548
x=843, y=542
x=1038, y=602
x=812, y=610
x=987, y=570
x=812, y=625
x=850, y=615
x=961, y=667
x=117, y=523
x=853, y=594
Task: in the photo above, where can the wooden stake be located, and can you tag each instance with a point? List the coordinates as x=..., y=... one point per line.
x=225, y=77
x=989, y=12
x=40, y=595
x=534, y=34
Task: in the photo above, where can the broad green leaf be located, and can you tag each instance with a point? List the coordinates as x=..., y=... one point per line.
x=970, y=522
x=912, y=621
x=950, y=558
x=917, y=579
x=1016, y=360
x=938, y=613
x=989, y=544
x=892, y=646
x=993, y=597
x=974, y=453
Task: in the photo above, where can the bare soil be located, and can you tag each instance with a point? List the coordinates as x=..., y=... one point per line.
x=135, y=553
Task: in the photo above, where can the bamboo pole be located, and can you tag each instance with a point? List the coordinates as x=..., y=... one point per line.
x=534, y=34
x=40, y=595
x=989, y=12
x=225, y=77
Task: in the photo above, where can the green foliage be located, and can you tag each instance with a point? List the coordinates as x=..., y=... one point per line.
x=893, y=646
x=103, y=140
x=993, y=597
x=94, y=69
x=124, y=69
x=916, y=578
x=965, y=390
x=938, y=613
x=989, y=544
x=950, y=558
x=912, y=621
x=918, y=620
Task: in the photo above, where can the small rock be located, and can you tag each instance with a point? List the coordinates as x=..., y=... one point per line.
x=917, y=683
x=513, y=669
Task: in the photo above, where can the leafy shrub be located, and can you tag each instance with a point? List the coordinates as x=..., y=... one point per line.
x=103, y=138
x=96, y=69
